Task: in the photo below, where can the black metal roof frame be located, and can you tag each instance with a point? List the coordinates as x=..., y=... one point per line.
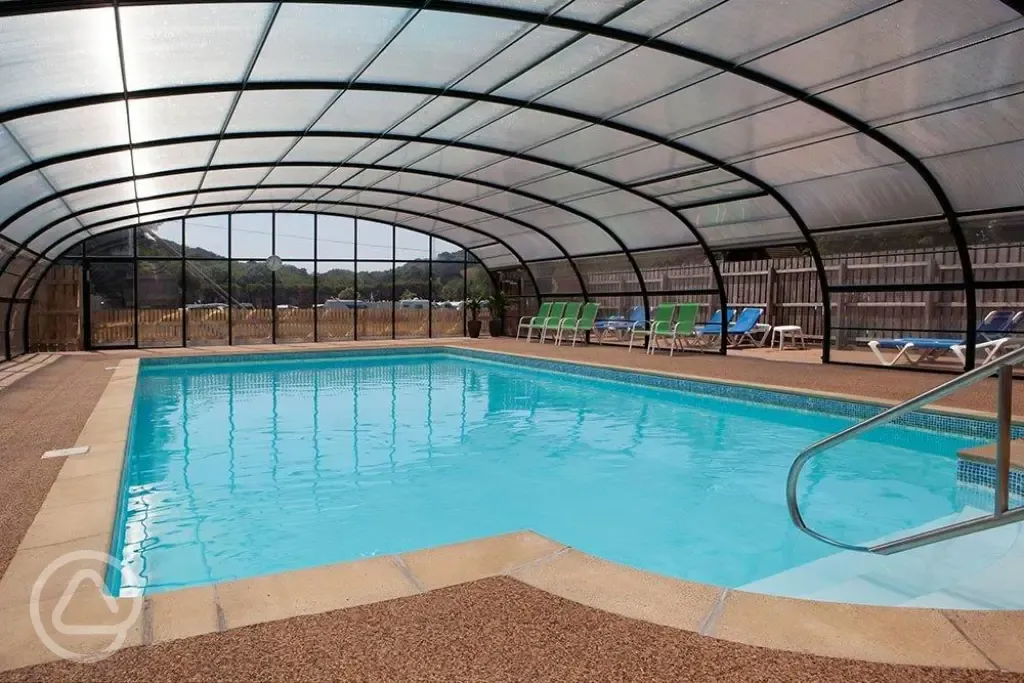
x=578, y=27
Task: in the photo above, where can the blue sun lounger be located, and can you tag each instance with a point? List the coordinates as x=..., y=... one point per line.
x=637, y=316
x=991, y=334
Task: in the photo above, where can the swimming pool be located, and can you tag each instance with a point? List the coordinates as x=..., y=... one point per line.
x=249, y=466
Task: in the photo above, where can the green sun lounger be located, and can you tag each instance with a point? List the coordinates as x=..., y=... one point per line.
x=585, y=323
x=553, y=317
x=662, y=320
x=527, y=321
x=553, y=325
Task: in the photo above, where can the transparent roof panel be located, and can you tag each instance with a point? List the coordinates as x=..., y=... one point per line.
x=742, y=211
x=898, y=31
x=872, y=195
x=514, y=58
x=454, y=46
x=323, y=41
x=71, y=130
x=653, y=162
x=727, y=31
x=148, y=187
x=576, y=59
x=614, y=86
x=774, y=231
x=984, y=178
x=564, y=185
x=298, y=175
x=166, y=157
x=723, y=191
x=21, y=192
x=237, y=177
x=522, y=129
x=839, y=155
x=51, y=56
x=251, y=150
x=160, y=118
x=122, y=194
x=278, y=110
x=982, y=67
x=709, y=101
x=649, y=229
x=362, y=110
x=23, y=227
x=990, y=122
x=943, y=78
x=89, y=170
x=12, y=155
x=654, y=17
x=791, y=124
x=167, y=45
x=589, y=145
x=324, y=149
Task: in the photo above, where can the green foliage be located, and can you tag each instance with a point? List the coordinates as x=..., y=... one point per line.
x=497, y=302
x=473, y=305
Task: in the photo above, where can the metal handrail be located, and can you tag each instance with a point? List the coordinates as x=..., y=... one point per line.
x=1001, y=514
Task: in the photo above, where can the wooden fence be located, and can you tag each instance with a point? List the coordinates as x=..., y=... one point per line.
x=786, y=288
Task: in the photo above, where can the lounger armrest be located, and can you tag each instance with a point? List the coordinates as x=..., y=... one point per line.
x=526, y=317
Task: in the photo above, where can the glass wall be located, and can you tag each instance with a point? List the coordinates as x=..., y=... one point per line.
x=211, y=280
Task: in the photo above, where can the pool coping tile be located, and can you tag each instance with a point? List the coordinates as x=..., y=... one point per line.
x=883, y=634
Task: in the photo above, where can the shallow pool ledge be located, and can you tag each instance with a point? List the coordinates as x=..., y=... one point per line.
x=79, y=514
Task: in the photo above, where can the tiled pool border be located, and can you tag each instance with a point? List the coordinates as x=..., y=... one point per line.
x=923, y=637
x=940, y=421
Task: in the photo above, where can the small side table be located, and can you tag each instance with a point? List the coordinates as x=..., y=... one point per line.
x=794, y=331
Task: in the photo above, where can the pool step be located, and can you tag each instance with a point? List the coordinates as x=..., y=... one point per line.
x=975, y=571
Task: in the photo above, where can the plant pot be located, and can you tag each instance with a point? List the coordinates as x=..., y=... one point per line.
x=473, y=327
x=497, y=328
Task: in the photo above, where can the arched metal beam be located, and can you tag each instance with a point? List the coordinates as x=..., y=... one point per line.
x=312, y=164
x=498, y=240
x=357, y=188
x=35, y=288
x=496, y=151
x=641, y=40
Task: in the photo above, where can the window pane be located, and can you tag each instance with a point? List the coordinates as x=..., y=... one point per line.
x=442, y=250
x=159, y=239
x=206, y=237
x=335, y=238
x=294, y=236
x=206, y=310
x=376, y=294
x=336, y=295
x=251, y=293
x=412, y=310
x=295, y=302
x=448, y=295
x=117, y=243
x=375, y=240
x=160, y=312
x=251, y=235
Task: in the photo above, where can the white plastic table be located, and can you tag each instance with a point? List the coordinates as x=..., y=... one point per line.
x=780, y=331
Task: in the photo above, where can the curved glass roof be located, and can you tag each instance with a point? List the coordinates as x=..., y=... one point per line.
x=522, y=130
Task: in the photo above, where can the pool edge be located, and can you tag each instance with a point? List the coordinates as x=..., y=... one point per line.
x=893, y=635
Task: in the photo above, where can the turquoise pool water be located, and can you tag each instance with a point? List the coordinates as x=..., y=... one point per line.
x=244, y=468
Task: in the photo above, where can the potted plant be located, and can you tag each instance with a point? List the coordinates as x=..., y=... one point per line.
x=473, y=304
x=498, y=303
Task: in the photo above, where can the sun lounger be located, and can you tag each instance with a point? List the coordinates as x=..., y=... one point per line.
x=637, y=316
x=662, y=323
x=585, y=323
x=915, y=350
x=529, y=320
